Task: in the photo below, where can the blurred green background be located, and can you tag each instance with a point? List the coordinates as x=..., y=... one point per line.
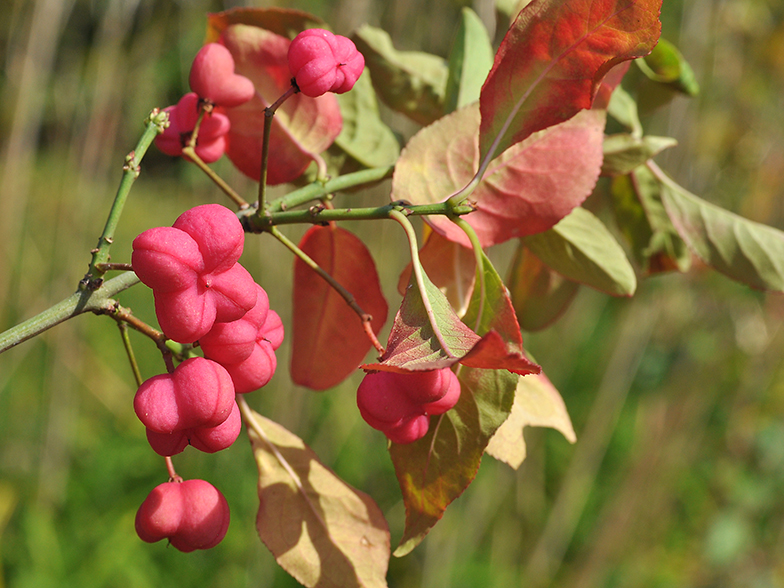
x=677, y=396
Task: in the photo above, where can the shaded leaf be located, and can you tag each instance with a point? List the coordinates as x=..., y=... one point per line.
x=410, y=82
x=302, y=127
x=537, y=404
x=582, y=249
x=281, y=21
x=526, y=190
x=666, y=65
x=435, y=470
x=328, y=339
x=365, y=137
x=623, y=108
x=743, y=250
x=469, y=62
x=321, y=530
x=552, y=60
x=539, y=295
x=623, y=153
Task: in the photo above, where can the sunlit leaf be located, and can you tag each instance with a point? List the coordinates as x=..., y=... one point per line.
x=552, y=60
x=469, y=62
x=537, y=404
x=744, y=250
x=302, y=127
x=328, y=340
x=320, y=530
x=435, y=470
x=539, y=294
x=281, y=21
x=666, y=65
x=365, y=137
x=623, y=153
x=410, y=82
x=582, y=249
x=526, y=190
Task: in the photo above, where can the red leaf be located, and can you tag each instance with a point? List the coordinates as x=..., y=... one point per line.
x=552, y=60
x=526, y=190
x=329, y=341
x=302, y=127
x=282, y=21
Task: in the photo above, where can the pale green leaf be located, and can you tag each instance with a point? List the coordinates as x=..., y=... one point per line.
x=623, y=153
x=469, y=62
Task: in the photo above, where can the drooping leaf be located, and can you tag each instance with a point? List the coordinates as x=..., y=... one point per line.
x=623, y=153
x=582, y=249
x=526, y=190
x=741, y=249
x=469, y=62
x=539, y=295
x=451, y=267
x=410, y=82
x=537, y=404
x=435, y=470
x=302, y=127
x=423, y=339
x=328, y=340
x=281, y=21
x=491, y=315
x=321, y=530
x=641, y=217
x=553, y=59
x=365, y=137
x=666, y=65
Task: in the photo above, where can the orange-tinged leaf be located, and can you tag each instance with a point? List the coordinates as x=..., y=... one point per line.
x=552, y=60
x=321, y=530
x=302, y=126
x=281, y=21
x=328, y=339
x=537, y=404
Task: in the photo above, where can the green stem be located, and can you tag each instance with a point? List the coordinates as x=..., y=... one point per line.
x=269, y=112
x=419, y=277
x=137, y=374
x=190, y=153
x=156, y=122
x=83, y=300
x=480, y=273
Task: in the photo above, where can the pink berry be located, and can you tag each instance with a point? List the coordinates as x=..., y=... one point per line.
x=254, y=372
x=211, y=141
x=212, y=77
x=382, y=400
x=192, y=514
x=322, y=62
x=207, y=439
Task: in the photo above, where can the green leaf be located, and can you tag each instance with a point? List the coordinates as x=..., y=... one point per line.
x=469, y=62
x=410, y=82
x=666, y=65
x=537, y=404
x=435, y=470
x=641, y=217
x=364, y=136
x=623, y=153
x=582, y=249
x=743, y=250
x=623, y=108
x=539, y=295
x=320, y=530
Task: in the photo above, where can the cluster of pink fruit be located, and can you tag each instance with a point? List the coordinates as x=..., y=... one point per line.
x=202, y=294
x=319, y=62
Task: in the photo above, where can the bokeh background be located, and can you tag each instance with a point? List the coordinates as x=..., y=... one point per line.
x=677, y=395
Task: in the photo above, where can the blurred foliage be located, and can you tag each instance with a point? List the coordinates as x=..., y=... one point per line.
x=677, y=395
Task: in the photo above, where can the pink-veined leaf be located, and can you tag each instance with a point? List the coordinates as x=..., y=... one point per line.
x=552, y=60
x=526, y=190
x=435, y=470
x=320, y=530
x=537, y=404
x=328, y=339
x=302, y=127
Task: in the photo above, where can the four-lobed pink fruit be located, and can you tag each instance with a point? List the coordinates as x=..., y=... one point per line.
x=212, y=77
x=192, y=514
x=321, y=62
x=211, y=140
x=399, y=405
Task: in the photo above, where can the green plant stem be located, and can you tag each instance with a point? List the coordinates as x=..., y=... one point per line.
x=345, y=294
x=269, y=112
x=156, y=122
x=137, y=374
x=190, y=153
x=99, y=300
x=419, y=277
x=480, y=274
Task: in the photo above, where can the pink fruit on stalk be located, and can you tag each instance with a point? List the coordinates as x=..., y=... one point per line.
x=322, y=62
x=211, y=141
x=192, y=515
x=199, y=393
x=212, y=77
x=206, y=439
